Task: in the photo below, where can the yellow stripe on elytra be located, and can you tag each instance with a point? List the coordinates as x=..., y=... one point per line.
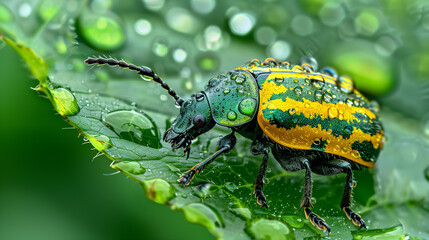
x=303, y=137
x=309, y=108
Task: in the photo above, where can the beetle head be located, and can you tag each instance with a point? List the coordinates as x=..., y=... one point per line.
x=194, y=119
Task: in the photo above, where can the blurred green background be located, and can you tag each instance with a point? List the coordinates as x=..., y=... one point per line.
x=50, y=186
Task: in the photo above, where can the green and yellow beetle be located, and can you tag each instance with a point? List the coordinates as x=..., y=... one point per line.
x=312, y=121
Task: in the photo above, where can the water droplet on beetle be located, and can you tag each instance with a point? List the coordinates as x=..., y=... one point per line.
x=232, y=115
x=292, y=111
x=297, y=68
x=356, y=102
x=240, y=78
x=374, y=106
x=356, y=154
x=213, y=82
x=333, y=112
x=310, y=62
x=327, y=97
x=226, y=91
x=317, y=84
x=345, y=83
x=348, y=130
x=349, y=102
x=247, y=106
x=318, y=95
x=330, y=72
x=298, y=90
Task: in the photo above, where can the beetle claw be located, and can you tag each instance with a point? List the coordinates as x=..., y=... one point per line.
x=186, y=178
x=316, y=220
x=260, y=197
x=356, y=218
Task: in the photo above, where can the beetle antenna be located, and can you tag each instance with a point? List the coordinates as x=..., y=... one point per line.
x=143, y=70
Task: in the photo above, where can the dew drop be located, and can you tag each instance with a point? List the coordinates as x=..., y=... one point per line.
x=130, y=167
x=163, y=97
x=337, y=148
x=298, y=90
x=266, y=180
x=102, y=32
x=310, y=62
x=345, y=83
x=160, y=48
x=24, y=10
x=292, y=111
x=241, y=78
x=154, y=5
x=247, y=106
x=374, y=106
x=180, y=55
x=302, y=25
x=318, y=95
x=226, y=91
x=265, y=35
x=213, y=82
x=100, y=142
x=353, y=184
x=134, y=126
x=242, y=23
x=349, y=102
x=355, y=154
x=356, y=102
x=330, y=72
x=327, y=97
x=279, y=79
x=203, y=6
x=348, y=130
x=297, y=68
x=333, y=112
x=65, y=102
x=142, y=27
x=269, y=229
x=232, y=115
x=317, y=84
x=280, y=50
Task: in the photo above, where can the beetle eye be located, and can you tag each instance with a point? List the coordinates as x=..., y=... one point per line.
x=199, y=121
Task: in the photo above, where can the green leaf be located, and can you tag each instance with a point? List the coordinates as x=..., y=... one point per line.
x=34, y=62
x=123, y=117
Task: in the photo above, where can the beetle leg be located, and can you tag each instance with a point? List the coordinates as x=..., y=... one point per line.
x=226, y=144
x=306, y=200
x=340, y=166
x=260, y=146
x=259, y=183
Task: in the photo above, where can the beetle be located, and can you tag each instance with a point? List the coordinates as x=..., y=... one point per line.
x=308, y=120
